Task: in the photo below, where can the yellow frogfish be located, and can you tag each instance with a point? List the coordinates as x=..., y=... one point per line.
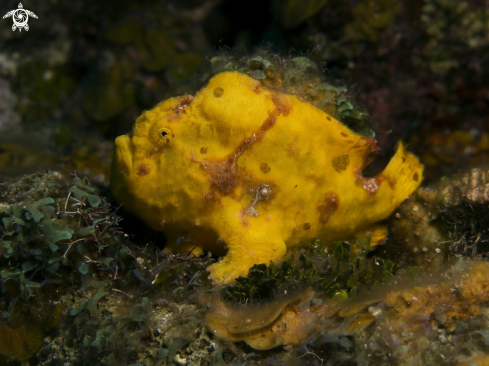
x=248, y=172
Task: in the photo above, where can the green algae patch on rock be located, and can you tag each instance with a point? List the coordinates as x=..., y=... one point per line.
x=339, y=273
x=43, y=238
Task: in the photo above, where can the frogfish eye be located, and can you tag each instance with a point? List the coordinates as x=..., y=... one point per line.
x=161, y=135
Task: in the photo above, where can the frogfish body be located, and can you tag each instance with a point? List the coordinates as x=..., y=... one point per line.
x=248, y=172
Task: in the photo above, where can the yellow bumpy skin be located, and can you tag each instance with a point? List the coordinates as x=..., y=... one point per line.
x=248, y=172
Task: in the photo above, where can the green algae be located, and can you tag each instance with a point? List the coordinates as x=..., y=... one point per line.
x=339, y=272
x=33, y=209
x=82, y=190
x=38, y=235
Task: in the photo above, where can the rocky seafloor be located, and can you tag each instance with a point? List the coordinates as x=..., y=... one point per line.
x=79, y=287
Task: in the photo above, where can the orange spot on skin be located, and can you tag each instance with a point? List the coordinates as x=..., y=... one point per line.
x=390, y=181
x=328, y=207
x=177, y=111
x=371, y=185
x=142, y=170
x=306, y=226
x=283, y=106
x=242, y=218
x=152, y=152
x=373, y=145
x=210, y=197
x=223, y=173
x=292, y=149
x=341, y=162
x=265, y=168
x=416, y=177
x=374, y=149
x=218, y=92
x=192, y=157
x=344, y=134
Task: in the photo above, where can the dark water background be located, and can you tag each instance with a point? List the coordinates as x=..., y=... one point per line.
x=86, y=69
